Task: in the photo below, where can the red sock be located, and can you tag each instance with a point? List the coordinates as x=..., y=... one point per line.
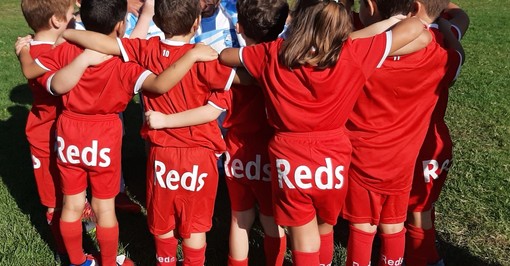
x=359, y=247
x=166, y=251
x=421, y=246
x=304, y=258
x=192, y=256
x=274, y=249
x=53, y=219
x=108, y=239
x=392, y=248
x=327, y=249
x=233, y=262
x=71, y=235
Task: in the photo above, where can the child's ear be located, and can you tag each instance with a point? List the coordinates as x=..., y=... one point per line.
x=239, y=28
x=196, y=24
x=418, y=8
x=372, y=7
x=120, y=28
x=56, y=23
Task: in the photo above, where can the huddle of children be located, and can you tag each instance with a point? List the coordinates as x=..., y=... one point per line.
x=294, y=106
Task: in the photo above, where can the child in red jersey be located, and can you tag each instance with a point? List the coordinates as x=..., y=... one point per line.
x=310, y=82
x=48, y=19
x=435, y=157
x=181, y=170
x=89, y=131
x=248, y=175
x=386, y=128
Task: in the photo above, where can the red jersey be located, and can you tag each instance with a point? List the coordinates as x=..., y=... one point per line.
x=103, y=89
x=304, y=99
x=45, y=109
x=247, y=113
x=392, y=114
x=194, y=90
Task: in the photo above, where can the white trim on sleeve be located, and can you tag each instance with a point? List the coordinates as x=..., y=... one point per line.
x=389, y=40
x=123, y=52
x=140, y=80
x=216, y=106
x=41, y=65
x=48, y=85
x=459, y=33
x=230, y=78
x=460, y=65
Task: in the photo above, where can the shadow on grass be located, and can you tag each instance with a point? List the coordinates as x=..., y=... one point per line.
x=452, y=255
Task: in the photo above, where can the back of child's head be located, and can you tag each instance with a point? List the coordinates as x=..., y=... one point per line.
x=316, y=34
x=38, y=12
x=389, y=8
x=262, y=20
x=102, y=15
x=176, y=17
x=434, y=8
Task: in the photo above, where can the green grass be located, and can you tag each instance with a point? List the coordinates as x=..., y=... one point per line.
x=473, y=218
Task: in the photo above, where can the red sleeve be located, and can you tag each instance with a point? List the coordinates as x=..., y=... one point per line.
x=215, y=75
x=370, y=52
x=58, y=57
x=133, y=76
x=221, y=100
x=254, y=58
x=132, y=50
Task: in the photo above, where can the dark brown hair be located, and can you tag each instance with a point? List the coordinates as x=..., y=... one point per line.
x=102, y=15
x=176, y=17
x=388, y=8
x=316, y=34
x=38, y=12
x=434, y=8
x=262, y=20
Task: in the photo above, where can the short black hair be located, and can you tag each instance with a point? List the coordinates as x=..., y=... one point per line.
x=102, y=15
x=262, y=20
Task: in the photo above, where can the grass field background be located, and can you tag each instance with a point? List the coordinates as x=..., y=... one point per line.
x=473, y=217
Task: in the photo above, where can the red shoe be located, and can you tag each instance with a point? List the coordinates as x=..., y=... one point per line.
x=124, y=203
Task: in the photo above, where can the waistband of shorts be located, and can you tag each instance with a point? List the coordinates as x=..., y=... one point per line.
x=326, y=134
x=91, y=118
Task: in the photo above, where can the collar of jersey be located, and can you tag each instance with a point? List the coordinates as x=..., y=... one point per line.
x=32, y=42
x=173, y=43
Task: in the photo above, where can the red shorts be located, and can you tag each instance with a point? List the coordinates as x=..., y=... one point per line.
x=181, y=189
x=365, y=206
x=248, y=174
x=47, y=178
x=309, y=176
x=89, y=147
x=430, y=174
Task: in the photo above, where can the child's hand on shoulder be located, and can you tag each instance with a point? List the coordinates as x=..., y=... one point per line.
x=95, y=58
x=203, y=53
x=21, y=43
x=155, y=120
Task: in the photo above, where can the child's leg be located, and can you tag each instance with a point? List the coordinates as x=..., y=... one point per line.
x=166, y=249
x=392, y=244
x=305, y=243
x=107, y=229
x=421, y=239
x=275, y=241
x=327, y=247
x=193, y=249
x=240, y=225
x=70, y=226
x=359, y=247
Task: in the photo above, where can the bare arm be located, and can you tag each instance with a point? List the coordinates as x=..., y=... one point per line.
x=230, y=57
x=459, y=18
x=29, y=68
x=192, y=117
x=66, y=78
x=92, y=40
x=406, y=31
x=174, y=73
x=142, y=25
x=377, y=28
